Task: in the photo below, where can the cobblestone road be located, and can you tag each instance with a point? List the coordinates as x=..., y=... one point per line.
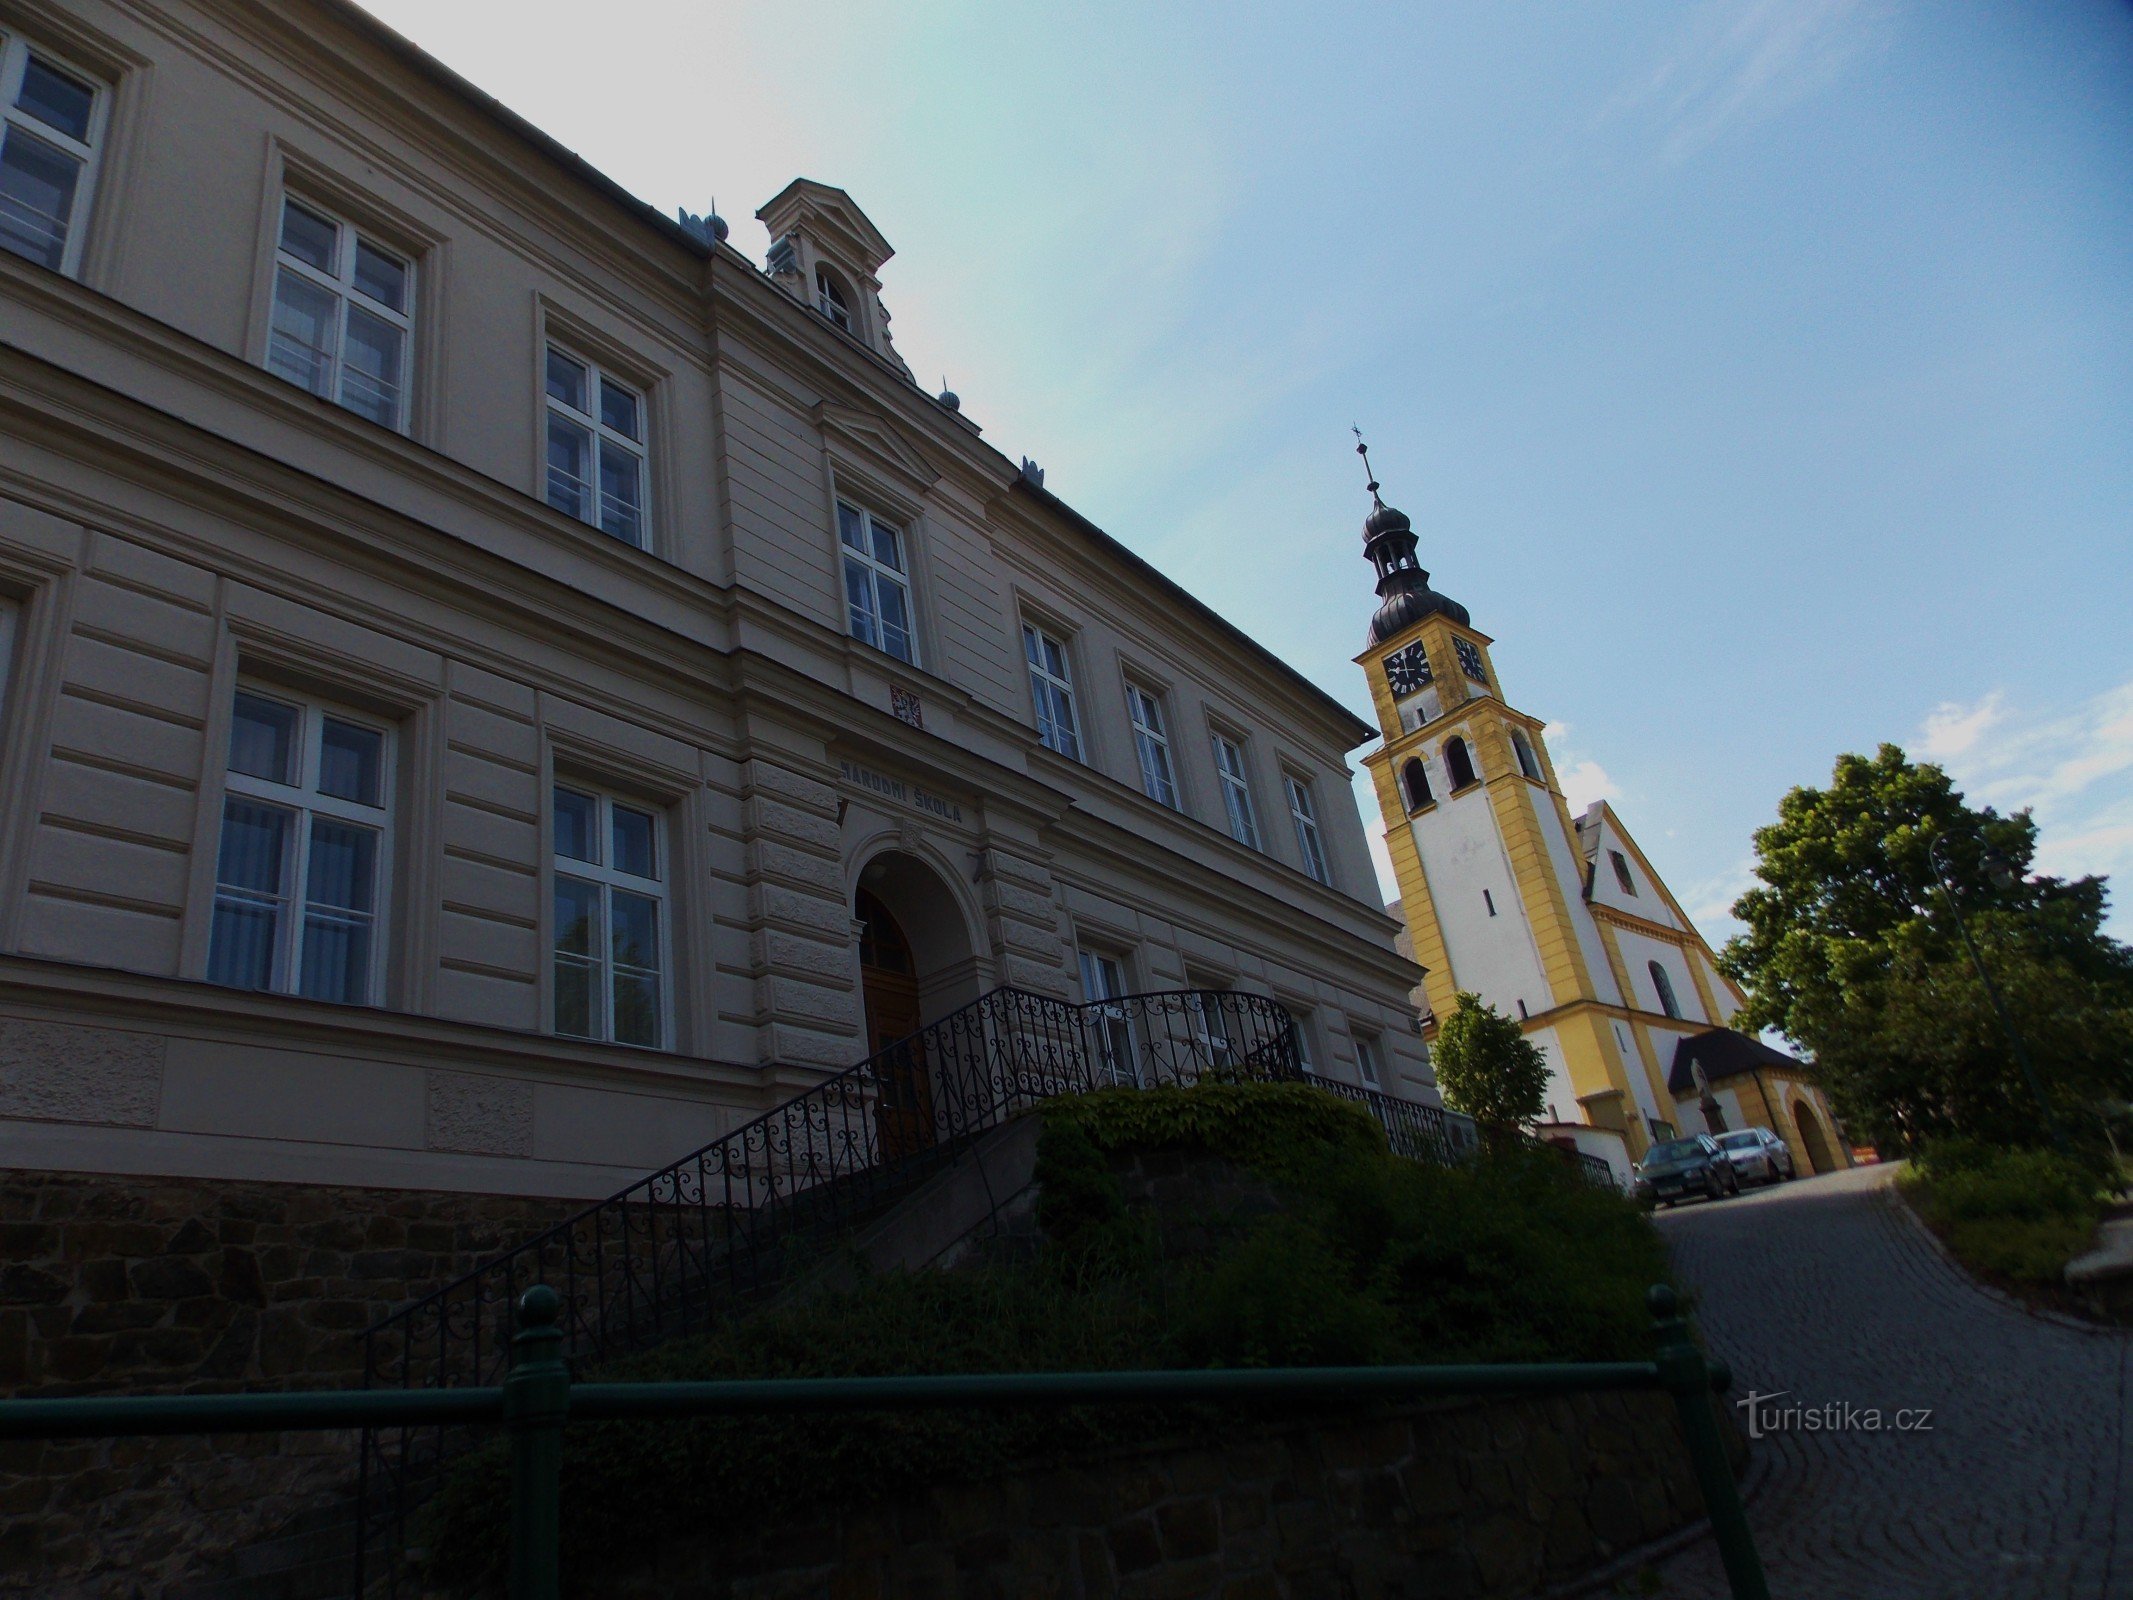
x=1826, y=1290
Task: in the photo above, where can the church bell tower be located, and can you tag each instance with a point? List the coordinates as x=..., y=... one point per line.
x=1488, y=858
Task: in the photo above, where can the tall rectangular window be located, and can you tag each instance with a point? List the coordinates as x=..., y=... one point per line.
x=305, y=833
x=1051, y=691
x=1305, y=815
x=1152, y=745
x=877, y=582
x=610, y=919
x=596, y=448
x=1236, y=791
x=1366, y=1060
x=343, y=310
x=50, y=125
x=1103, y=981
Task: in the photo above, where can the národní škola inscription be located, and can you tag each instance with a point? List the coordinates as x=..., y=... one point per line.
x=909, y=794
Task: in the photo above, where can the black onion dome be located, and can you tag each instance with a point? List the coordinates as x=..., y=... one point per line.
x=1405, y=607
x=1384, y=519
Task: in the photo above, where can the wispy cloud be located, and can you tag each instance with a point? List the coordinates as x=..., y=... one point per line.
x=1583, y=779
x=1742, y=60
x=2071, y=768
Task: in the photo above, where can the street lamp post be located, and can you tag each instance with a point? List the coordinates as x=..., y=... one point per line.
x=2004, y=876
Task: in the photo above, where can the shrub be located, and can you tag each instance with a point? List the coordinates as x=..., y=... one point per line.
x=2015, y=1214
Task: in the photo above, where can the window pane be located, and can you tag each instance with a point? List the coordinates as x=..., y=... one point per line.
x=621, y=492
x=343, y=867
x=300, y=348
x=619, y=410
x=351, y=762
x=859, y=596
x=888, y=547
x=57, y=99
x=336, y=963
x=851, y=526
x=566, y=380
x=37, y=183
x=577, y=917
x=1030, y=647
x=895, y=618
x=241, y=945
x=1055, y=660
x=576, y=819
x=635, y=929
x=370, y=378
x=255, y=846
x=637, y=1008
x=382, y=277
x=575, y=999
x=263, y=739
x=569, y=463
x=635, y=836
x=309, y=237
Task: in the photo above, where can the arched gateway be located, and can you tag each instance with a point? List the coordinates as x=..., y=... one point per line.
x=916, y=964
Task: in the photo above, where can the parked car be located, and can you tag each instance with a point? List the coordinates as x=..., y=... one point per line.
x=1678, y=1168
x=1757, y=1154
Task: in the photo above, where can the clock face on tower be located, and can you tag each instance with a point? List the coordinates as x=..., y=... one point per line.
x=1470, y=660
x=1407, y=671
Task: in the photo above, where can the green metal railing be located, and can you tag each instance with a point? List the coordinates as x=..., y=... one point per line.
x=537, y=1400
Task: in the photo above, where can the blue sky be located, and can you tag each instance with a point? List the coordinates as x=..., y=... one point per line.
x=1760, y=375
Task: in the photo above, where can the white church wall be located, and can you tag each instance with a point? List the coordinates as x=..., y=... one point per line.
x=1640, y=1083
x=1607, y=890
x=1570, y=873
x=1720, y=994
x=1463, y=857
x=1561, y=1099
x=1637, y=951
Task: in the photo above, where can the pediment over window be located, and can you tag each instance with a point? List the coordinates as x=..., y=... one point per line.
x=879, y=446
x=831, y=216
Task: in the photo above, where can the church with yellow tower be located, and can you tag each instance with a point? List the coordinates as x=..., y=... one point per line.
x=1557, y=920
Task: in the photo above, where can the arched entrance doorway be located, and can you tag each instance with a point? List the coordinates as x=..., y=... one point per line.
x=1812, y=1139
x=903, y=1111
x=916, y=964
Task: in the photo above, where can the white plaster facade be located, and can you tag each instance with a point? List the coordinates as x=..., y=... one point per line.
x=176, y=520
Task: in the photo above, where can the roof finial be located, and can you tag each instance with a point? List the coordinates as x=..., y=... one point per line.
x=1363, y=450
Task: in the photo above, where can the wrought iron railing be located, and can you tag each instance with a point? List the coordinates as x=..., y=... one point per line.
x=725, y=1225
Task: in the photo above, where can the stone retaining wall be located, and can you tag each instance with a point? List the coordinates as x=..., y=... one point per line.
x=1454, y=1501
x=147, y=1284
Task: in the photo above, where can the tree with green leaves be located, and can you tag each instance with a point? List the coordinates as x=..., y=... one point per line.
x=1852, y=951
x=1487, y=1067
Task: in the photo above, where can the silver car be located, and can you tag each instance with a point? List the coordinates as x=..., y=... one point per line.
x=1757, y=1155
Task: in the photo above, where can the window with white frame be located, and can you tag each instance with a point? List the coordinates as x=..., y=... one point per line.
x=343, y=314
x=830, y=301
x=50, y=126
x=1051, y=691
x=1103, y=981
x=1304, y=813
x=303, y=857
x=1152, y=745
x=1304, y=1058
x=877, y=582
x=596, y=431
x=1236, y=791
x=610, y=919
x=1366, y=1060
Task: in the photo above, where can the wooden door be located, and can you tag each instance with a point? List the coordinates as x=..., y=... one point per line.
x=903, y=1109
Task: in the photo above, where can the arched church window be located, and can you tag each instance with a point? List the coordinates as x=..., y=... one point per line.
x=1414, y=777
x=830, y=301
x=1528, y=762
x=1459, y=762
x=1665, y=986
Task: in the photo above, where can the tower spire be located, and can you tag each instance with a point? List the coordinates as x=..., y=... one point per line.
x=1389, y=545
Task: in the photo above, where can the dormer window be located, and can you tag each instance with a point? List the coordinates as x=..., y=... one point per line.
x=830, y=301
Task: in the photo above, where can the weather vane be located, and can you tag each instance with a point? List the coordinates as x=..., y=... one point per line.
x=1363, y=450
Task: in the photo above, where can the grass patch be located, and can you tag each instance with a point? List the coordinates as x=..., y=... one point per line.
x=2015, y=1217
x=1368, y=1260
